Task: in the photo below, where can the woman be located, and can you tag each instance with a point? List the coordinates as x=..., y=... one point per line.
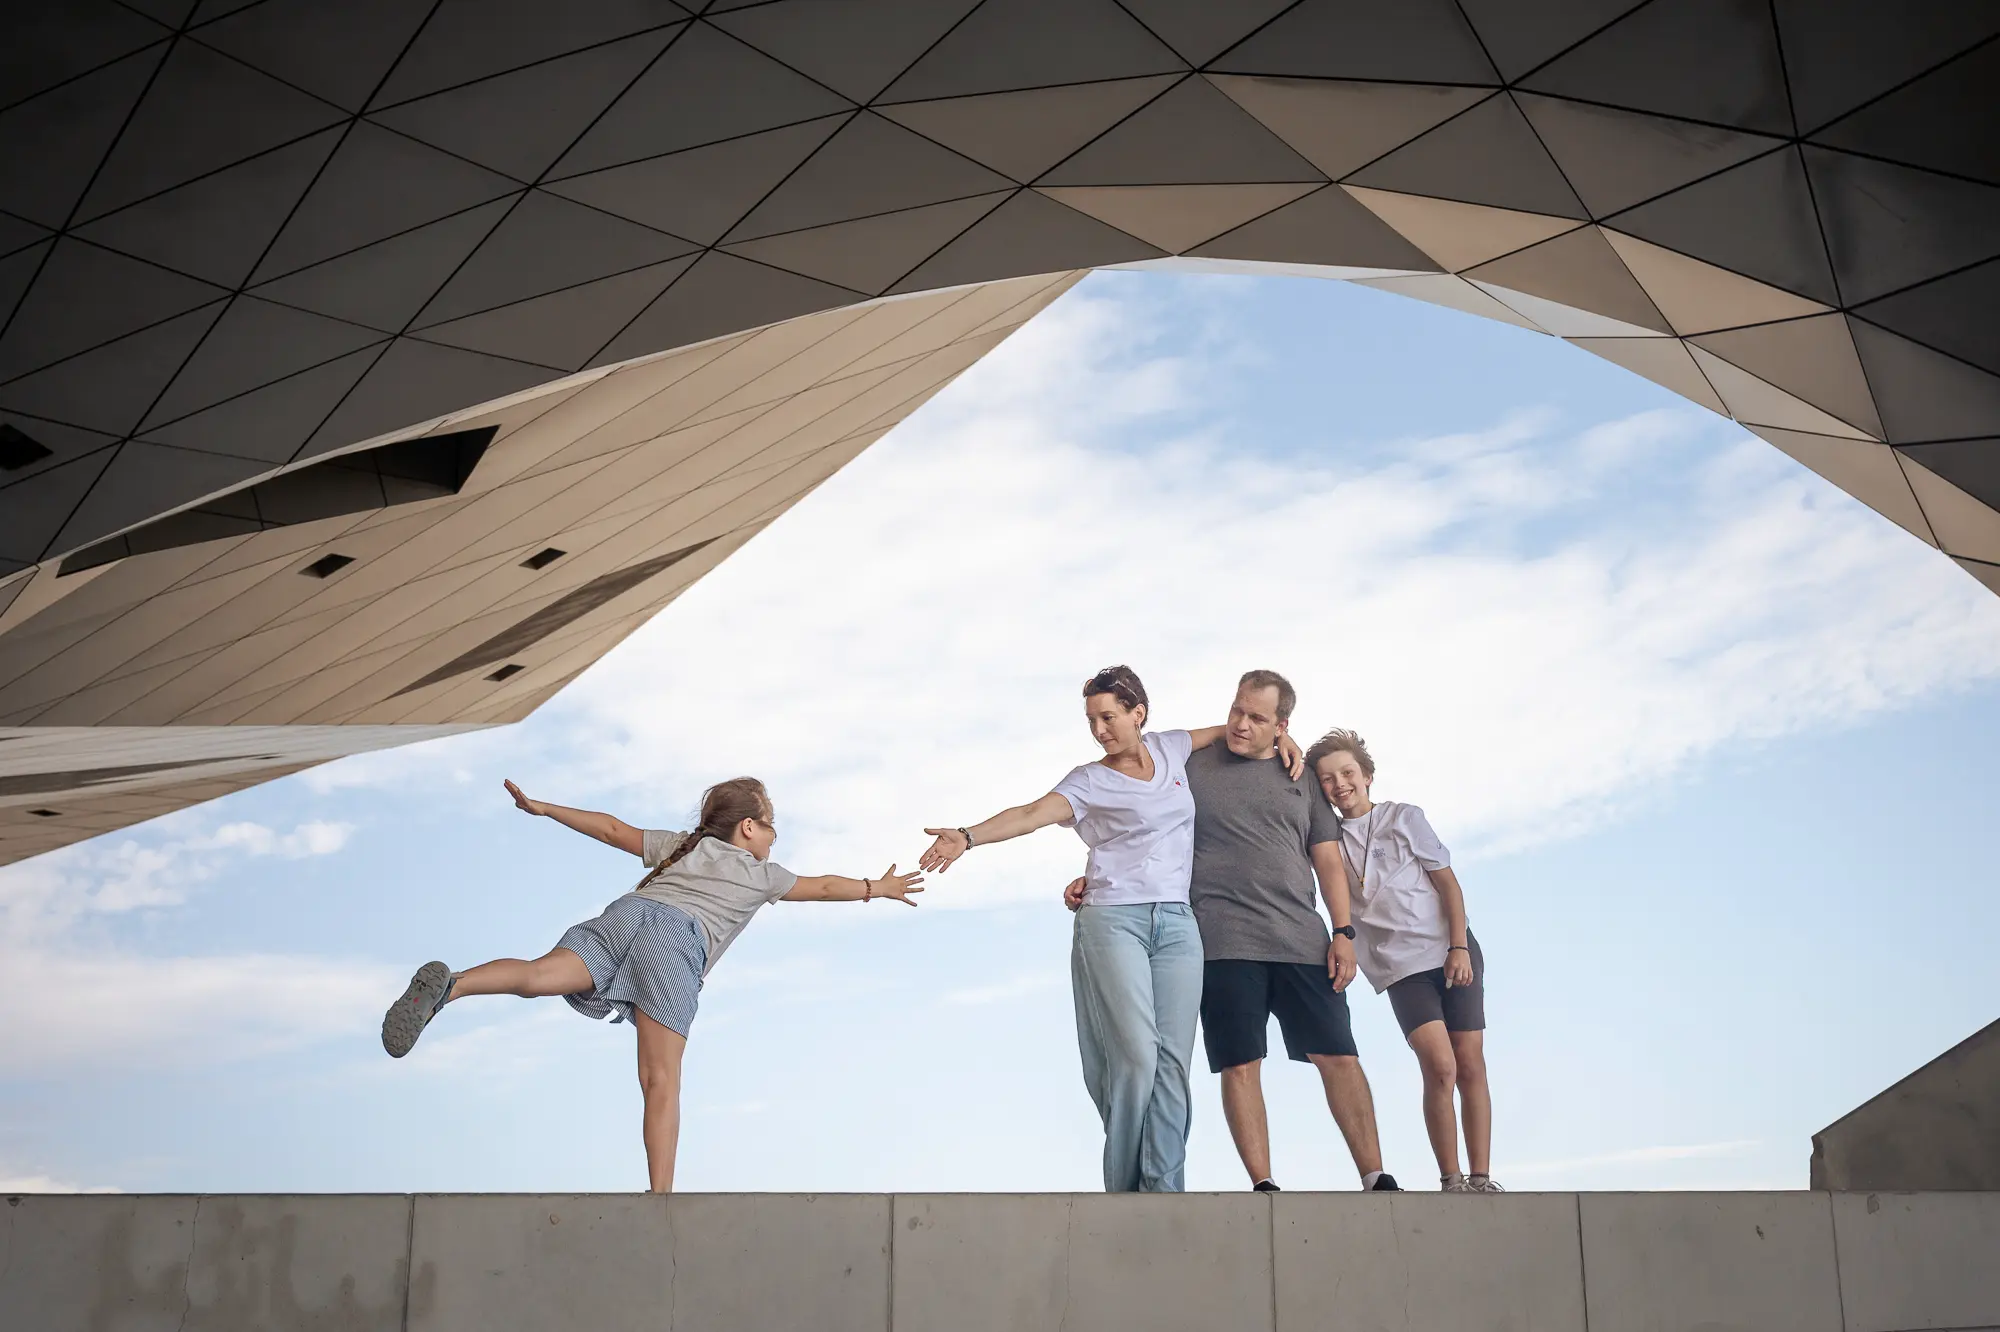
x=1412, y=939
x=1136, y=961
x=645, y=957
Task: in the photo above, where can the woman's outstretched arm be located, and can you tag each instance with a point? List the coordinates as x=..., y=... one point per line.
x=952, y=843
x=835, y=888
x=606, y=828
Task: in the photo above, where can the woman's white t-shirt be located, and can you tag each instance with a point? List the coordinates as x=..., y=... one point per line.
x=1140, y=834
x=1399, y=922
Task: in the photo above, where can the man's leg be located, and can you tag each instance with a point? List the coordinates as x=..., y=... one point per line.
x=1111, y=977
x=660, y=1051
x=558, y=971
x=1468, y=1050
x=1243, y=1108
x=1353, y=1104
x=1176, y=983
x=1435, y=1055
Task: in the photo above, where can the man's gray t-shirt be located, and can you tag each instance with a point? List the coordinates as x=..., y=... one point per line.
x=1254, y=892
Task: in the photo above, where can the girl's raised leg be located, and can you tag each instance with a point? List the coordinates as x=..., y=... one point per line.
x=558, y=971
x=660, y=1050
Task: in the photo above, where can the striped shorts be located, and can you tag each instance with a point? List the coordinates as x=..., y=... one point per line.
x=641, y=954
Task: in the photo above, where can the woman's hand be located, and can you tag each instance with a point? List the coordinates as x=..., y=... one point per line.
x=899, y=886
x=949, y=846
x=1073, y=895
x=522, y=803
x=1457, y=968
x=1294, y=757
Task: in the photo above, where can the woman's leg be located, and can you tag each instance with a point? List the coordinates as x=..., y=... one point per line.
x=1475, y=1101
x=558, y=971
x=1176, y=972
x=1112, y=978
x=660, y=1051
x=1434, y=1053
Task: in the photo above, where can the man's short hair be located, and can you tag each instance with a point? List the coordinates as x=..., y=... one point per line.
x=1288, y=697
x=1336, y=740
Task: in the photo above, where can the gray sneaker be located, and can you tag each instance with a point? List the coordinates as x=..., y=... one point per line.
x=1458, y=1184
x=409, y=1015
x=1483, y=1184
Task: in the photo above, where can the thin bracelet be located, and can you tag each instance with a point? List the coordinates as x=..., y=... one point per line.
x=867, y=890
x=968, y=838
x=1458, y=948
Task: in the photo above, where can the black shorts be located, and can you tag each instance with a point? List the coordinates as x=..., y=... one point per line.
x=1238, y=999
x=1423, y=997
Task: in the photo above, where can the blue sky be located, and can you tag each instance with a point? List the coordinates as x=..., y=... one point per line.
x=1709, y=740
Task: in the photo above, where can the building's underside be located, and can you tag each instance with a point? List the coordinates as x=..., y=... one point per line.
x=371, y=367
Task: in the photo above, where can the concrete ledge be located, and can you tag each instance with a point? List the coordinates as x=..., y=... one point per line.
x=1772, y=1262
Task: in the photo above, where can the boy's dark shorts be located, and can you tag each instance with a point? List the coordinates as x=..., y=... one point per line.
x=1423, y=997
x=1239, y=998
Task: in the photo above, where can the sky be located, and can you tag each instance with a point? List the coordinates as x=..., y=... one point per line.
x=1710, y=742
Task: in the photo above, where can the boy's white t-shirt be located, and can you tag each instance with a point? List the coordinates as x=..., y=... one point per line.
x=1399, y=923
x=1140, y=834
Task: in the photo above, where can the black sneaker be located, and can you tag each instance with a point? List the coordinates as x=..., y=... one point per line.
x=1386, y=1183
x=1266, y=1186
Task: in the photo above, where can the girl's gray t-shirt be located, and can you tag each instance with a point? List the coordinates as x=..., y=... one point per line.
x=719, y=884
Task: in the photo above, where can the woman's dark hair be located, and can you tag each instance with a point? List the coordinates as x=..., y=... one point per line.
x=1122, y=683
x=723, y=806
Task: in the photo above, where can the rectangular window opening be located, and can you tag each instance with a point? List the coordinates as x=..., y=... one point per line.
x=542, y=559
x=18, y=449
x=46, y=813
x=327, y=565
x=509, y=669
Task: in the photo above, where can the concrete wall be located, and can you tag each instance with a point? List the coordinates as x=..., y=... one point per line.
x=1937, y=1129
x=1554, y=1262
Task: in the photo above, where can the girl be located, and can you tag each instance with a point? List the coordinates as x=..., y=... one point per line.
x=645, y=957
x=1136, y=960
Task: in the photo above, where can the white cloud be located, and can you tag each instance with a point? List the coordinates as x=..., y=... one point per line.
x=71, y=998
x=1532, y=625
x=11, y=1183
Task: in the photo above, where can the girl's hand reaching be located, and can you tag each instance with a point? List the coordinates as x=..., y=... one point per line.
x=522, y=803
x=899, y=886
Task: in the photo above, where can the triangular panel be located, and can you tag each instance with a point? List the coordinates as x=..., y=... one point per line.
x=1200, y=30
x=142, y=480
x=1954, y=314
x=274, y=422
x=1665, y=361
x=1756, y=219
x=1812, y=358
x=1006, y=44
x=1699, y=298
x=1963, y=525
x=521, y=122
x=1522, y=34
x=1326, y=227
x=1615, y=159
x=1753, y=401
x=1340, y=125
x=855, y=47
x=1889, y=227
x=336, y=51
x=1841, y=53
x=254, y=343
x=869, y=254
x=700, y=193
x=1415, y=41
x=414, y=381
x=384, y=285
x=869, y=166
x=1459, y=235
x=1905, y=125
x=1454, y=293
x=1922, y=394
x=109, y=388
x=565, y=329
x=50, y=146
x=464, y=40
x=1864, y=469
x=85, y=296
x=50, y=44
x=1030, y=233
x=1580, y=270
x=1712, y=60
x=721, y=294
x=1177, y=218
x=1973, y=465
x=1025, y=133
x=1488, y=155
x=1189, y=134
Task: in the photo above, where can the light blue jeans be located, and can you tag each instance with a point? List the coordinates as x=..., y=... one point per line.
x=1136, y=972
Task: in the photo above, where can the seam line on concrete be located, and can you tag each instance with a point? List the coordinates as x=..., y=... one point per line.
x=1582, y=1263
x=890, y=1316
x=1271, y=1247
x=409, y=1256
x=1839, y=1286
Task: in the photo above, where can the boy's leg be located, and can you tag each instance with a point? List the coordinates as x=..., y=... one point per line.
x=1433, y=1047
x=1353, y=1104
x=1468, y=1050
x=558, y=971
x=660, y=1051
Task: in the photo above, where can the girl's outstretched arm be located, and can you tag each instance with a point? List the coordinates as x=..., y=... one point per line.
x=952, y=843
x=605, y=828
x=835, y=888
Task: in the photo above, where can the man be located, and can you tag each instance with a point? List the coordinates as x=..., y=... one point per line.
x=1261, y=837
x=1417, y=945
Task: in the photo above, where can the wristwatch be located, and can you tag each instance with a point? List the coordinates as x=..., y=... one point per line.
x=1347, y=930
